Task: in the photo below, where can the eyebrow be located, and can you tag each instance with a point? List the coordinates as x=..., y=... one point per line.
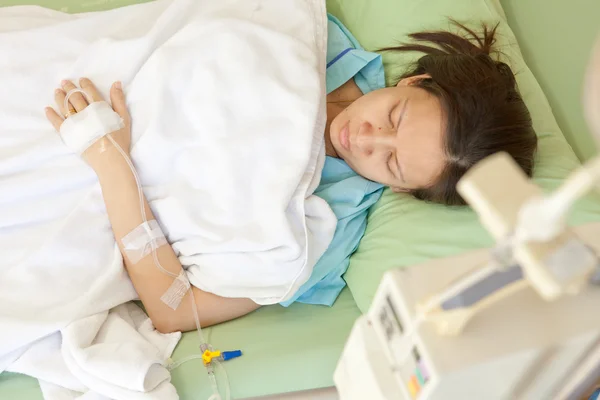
x=400, y=119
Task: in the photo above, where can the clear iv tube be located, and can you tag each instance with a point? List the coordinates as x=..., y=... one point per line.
x=203, y=343
x=210, y=371
x=154, y=256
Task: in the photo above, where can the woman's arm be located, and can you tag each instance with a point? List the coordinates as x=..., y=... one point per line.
x=121, y=197
x=122, y=204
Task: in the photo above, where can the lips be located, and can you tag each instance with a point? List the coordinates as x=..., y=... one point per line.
x=345, y=137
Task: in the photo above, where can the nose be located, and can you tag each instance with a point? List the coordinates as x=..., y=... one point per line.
x=370, y=139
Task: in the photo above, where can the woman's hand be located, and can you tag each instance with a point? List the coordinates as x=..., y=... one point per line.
x=95, y=155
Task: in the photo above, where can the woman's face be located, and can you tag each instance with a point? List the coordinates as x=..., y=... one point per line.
x=392, y=136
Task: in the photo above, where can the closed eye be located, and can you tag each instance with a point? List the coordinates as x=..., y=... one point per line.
x=391, y=116
x=389, y=165
x=401, y=116
x=393, y=110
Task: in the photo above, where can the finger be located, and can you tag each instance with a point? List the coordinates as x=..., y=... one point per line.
x=59, y=97
x=55, y=119
x=117, y=98
x=90, y=89
x=76, y=99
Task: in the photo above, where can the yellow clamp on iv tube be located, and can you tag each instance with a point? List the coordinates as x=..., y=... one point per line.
x=208, y=356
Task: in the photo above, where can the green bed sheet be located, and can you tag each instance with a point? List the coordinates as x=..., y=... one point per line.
x=285, y=349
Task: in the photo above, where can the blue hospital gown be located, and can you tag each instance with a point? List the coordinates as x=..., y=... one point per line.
x=348, y=194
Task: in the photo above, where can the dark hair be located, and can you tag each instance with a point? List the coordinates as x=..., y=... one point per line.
x=483, y=109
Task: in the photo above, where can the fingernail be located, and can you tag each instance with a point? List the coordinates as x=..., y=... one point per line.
x=64, y=82
x=57, y=91
x=118, y=85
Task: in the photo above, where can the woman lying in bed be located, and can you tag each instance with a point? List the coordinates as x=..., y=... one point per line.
x=453, y=108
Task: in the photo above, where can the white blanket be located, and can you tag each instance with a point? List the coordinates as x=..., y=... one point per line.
x=227, y=103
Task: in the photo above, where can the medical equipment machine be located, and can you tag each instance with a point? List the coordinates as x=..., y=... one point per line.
x=81, y=130
x=519, y=322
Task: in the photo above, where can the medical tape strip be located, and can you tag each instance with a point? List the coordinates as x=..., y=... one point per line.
x=140, y=242
x=83, y=129
x=175, y=293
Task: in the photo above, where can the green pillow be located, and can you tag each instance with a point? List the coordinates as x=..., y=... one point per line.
x=402, y=231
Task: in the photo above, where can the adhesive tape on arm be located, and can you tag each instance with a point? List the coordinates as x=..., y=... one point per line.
x=83, y=129
x=142, y=240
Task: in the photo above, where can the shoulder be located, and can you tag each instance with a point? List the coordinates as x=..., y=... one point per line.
x=339, y=38
x=346, y=59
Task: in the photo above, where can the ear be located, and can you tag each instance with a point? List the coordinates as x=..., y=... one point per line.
x=399, y=190
x=413, y=79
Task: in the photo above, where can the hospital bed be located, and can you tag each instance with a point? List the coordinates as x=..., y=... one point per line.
x=294, y=350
